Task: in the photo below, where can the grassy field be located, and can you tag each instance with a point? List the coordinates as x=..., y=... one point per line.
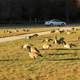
x=11, y=31
x=57, y=63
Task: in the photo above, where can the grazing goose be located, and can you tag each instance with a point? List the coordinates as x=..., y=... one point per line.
x=28, y=37
x=57, y=31
x=47, y=40
x=46, y=46
x=35, y=35
x=25, y=46
x=33, y=51
x=66, y=45
x=59, y=41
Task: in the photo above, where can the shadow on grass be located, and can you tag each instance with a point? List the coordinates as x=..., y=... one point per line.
x=62, y=49
x=60, y=54
x=68, y=49
x=9, y=60
x=65, y=59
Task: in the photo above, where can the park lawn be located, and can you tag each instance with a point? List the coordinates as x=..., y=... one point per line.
x=12, y=31
x=16, y=30
x=57, y=63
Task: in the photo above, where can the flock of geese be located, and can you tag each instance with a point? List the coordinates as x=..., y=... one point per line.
x=34, y=52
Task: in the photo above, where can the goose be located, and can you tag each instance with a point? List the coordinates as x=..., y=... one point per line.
x=66, y=45
x=47, y=40
x=46, y=46
x=33, y=52
x=25, y=45
x=60, y=41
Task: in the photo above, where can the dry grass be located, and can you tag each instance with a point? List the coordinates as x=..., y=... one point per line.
x=4, y=32
x=56, y=64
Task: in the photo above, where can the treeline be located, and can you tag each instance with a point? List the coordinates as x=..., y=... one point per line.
x=27, y=10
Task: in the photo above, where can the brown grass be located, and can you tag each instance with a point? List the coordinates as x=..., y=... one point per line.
x=56, y=64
